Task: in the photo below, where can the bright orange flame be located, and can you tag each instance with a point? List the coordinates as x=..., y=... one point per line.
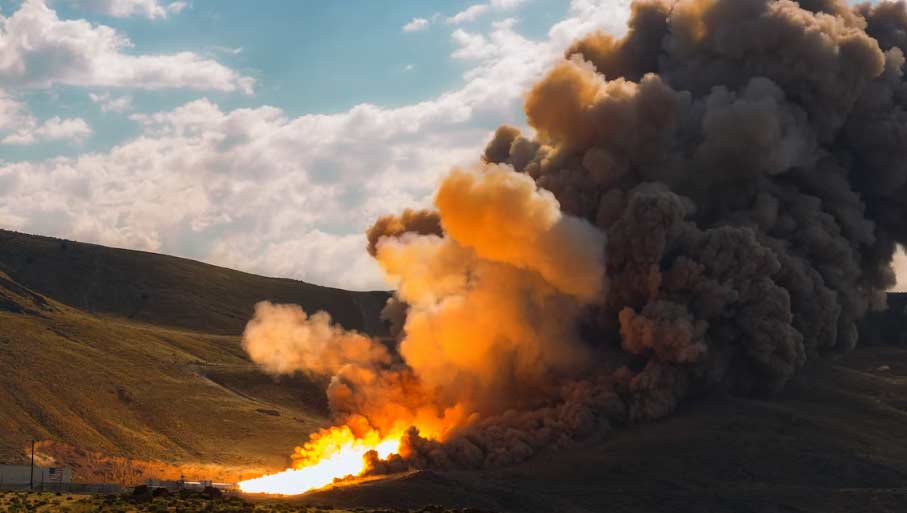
x=334, y=453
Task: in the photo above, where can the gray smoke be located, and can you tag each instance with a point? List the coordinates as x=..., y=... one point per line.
x=747, y=160
x=744, y=164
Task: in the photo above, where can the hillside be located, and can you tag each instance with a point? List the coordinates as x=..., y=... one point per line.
x=168, y=291
x=123, y=353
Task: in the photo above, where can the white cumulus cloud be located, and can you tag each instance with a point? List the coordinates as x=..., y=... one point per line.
x=473, y=12
x=19, y=127
x=151, y=9
x=469, y=14
x=110, y=103
x=13, y=113
x=38, y=49
x=262, y=191
x=415, y=25
x=52, y=129
x=506, y=4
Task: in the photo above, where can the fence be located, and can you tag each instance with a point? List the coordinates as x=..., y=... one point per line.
x=99, y=488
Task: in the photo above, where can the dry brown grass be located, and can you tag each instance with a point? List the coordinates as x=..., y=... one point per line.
x=128, y=389
x=123, y=354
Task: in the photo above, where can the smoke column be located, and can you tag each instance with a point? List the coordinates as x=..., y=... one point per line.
x=709, y=202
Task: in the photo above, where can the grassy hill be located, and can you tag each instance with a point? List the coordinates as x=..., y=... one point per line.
x=120, y=353
x=168, y=291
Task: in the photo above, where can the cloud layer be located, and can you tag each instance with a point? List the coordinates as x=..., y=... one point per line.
x=39, y=50
x=52, y=129
x=19, y=127
x=415, y=25
x=151, y=9
x=261, y=191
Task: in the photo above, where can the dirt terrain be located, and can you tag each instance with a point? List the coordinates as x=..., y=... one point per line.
x=832, y=442
x=126, y=364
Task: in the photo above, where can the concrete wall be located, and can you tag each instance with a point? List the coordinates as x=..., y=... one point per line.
x=19, y=475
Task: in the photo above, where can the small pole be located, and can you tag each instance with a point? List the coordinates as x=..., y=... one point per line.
x=31, y=476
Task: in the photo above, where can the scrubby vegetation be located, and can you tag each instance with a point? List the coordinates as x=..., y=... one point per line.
x=125, y=363
x=40, y=502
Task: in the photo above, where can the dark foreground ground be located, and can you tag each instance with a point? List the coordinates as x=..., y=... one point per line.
x=834, y=441
x=15, y=502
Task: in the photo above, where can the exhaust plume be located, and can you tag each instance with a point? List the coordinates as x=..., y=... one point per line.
x=424, y=222
x=708, y=202
x=282, y=339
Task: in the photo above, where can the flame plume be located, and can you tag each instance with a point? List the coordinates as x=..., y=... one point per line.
x=334, y=454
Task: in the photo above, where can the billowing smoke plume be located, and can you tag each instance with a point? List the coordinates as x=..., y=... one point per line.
x=708, y=202
x=424, y=222
x=508, y=274
x=283, y=339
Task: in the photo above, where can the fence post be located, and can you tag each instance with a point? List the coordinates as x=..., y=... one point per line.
x=31, y=476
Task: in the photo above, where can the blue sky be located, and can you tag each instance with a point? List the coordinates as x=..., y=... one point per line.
x=264, y=136
x=306, y=57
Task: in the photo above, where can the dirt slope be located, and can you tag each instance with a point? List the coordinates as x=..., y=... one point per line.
x=138, y=355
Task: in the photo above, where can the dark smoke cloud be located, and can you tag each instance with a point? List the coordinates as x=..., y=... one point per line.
x=745, y=165
x=747, y=160
x=637, y=52
x=424, y=222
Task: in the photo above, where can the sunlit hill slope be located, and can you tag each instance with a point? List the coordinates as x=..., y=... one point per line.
x=111, y=352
